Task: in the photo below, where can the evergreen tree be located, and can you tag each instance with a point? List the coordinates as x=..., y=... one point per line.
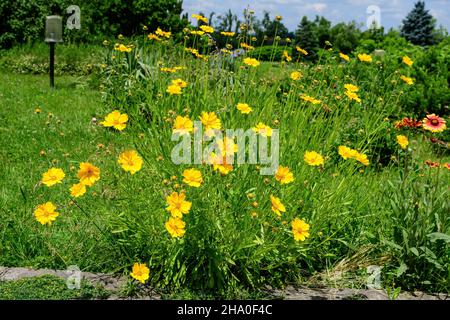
x=307, y=39
x=418, y=27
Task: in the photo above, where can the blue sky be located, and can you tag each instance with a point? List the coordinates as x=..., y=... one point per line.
x=392, y=12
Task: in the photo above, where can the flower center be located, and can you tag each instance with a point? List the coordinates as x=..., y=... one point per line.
x=434, y=122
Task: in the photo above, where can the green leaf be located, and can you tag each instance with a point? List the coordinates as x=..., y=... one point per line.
x=439, y=236
x=401, y=270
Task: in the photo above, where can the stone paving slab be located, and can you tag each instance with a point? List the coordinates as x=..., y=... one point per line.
x=115, y=283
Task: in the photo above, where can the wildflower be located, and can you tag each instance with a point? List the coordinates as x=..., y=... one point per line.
x=407, y=122
x=409, y=81
x=302, y=51
x=446, y=165
x=182, y=125
x=173, y=89
x=434, y=123
x=407, y=60
x=247, y=46
x=364, y=57
x=153, y=36
x=278, y=18
x=210, y=121
x=307, y=98
x=362, y=158
x=347, y=153
x=199, y=17
x=352, y=96
x=165, y=34
x=116, y=120
x=277, y=206
x=286, y=56
x=77, y=190
x=244, y=108
x=227, y=34
x=122, y=48
x=284, y=175
x=295, y=75
x=180, y=83
x=263, y=129
x=88, y=174
x=140, y=272
x=177, y=204
x=351, y=87
x=176, y=227
x=192, y=177
x=402, y=141
x=227, y=146
x=300, y=229
x=220, y=163
x=37, y=110
x=197, y=32
x=432, y=164
x=207, y=29
x=313, y=158
x=251, y=62
x=130, y=161
x=344, y=56
x=45, y=213
x=52, y=176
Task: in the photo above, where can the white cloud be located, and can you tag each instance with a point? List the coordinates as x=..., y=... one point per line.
x=317, y=7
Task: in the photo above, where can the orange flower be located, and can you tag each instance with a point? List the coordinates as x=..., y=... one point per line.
x=434, y=123
x=284, y=175
x=88, y=174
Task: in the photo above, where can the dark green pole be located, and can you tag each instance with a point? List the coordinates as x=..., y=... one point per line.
x=52, y=65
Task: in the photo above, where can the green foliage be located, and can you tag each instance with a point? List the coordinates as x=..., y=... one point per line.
x=269, y=53
x=24, y=21
x=418, y=27
x=48, y=288
x=306, y=37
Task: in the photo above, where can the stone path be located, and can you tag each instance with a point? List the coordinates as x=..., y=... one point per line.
x=115, y=283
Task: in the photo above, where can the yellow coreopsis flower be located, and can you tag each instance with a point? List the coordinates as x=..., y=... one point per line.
x=199, y=17
x=284, y=175
x=192, y=177
x=307, y=98
x=263, y=129
x=313, y=158
x=122, y=48
x=174, y=89
x=140, y=272
x=153, y=36
x=161, y=33
x=130, y=161
x=351, y=87
x=45, y=213
x=300, y=229
x=364, y=57
x=402, y=141
x=409, y=81
x=88, y=174
x=244, y=108
x=302, y=51
x=220, y=163
x=362, y=158
x=52, y=176
x=210, y=121
x=227, y=146
x=277, y=206
x=251, y=62
x=197, y=32
x=77, y=190
x=352, y=96
x=207, y=29
x=116, y=120
x=177, y=204
x=344, y=56
x=407, y=60
x=176, y=227
x=287, y=56
x=182, y=125
x=180, y=83
x=227, y=34
x=296, y=75
x=347, y=153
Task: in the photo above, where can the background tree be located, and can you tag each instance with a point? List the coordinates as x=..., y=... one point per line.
x=306, y=38
x=418, y=27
